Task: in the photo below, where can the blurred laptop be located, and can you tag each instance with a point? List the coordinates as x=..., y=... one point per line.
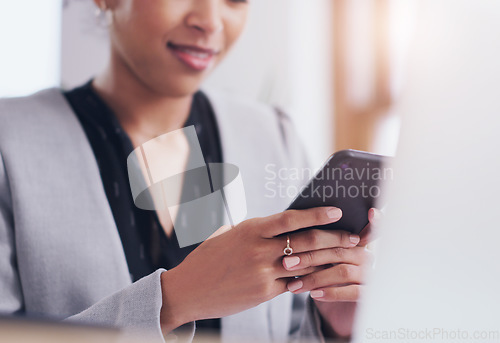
x=437, y=275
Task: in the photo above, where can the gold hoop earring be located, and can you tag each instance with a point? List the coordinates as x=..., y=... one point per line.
x=103, y=15
x=101, y=8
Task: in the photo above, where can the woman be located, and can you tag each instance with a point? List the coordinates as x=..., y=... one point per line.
x=73, y=244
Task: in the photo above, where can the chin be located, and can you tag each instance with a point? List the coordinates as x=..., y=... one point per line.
x=177, y=84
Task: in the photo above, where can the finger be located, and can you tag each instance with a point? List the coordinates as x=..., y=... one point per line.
x=316, y=239
x=357, y=256
x=374, y=216
x=366, y=236
x=281, y=285
x=292, y=220
x=347, y=293
x=283, y=273
x=370, y=231
x=339, y=275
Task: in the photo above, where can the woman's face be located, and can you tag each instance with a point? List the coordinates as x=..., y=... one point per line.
x=170, y=46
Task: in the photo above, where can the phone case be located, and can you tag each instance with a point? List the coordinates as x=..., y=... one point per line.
x=350, y=180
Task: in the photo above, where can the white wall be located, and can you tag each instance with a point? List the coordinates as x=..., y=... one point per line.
x=84, y=43
x=30, y=46
x=311, y=75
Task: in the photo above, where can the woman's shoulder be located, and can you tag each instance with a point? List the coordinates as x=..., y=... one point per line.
x=245, y=112
x=39, y=98
x=17, y=108
x=43, y=111
x=241, y=105
x=243, y=116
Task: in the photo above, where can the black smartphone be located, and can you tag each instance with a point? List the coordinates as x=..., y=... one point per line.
x=350, y=180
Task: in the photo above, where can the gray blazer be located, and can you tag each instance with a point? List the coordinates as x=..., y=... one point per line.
x=60, y=251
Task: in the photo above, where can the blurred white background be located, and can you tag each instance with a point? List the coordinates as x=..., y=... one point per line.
x=30, y=36
x=437, y=272
x=286, y=57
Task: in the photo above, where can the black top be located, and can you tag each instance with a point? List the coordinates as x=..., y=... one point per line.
x=144, y=241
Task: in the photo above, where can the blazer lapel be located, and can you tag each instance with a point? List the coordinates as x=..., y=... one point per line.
x=251, y=140
x=60, y=204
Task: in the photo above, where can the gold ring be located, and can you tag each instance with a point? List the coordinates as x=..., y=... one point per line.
x=288, y=251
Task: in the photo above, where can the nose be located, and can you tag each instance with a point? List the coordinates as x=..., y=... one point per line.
x=206, y=17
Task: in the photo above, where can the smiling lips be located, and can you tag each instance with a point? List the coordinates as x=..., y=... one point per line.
x=194, y=57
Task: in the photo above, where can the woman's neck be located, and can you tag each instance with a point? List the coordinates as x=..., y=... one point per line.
x=142, y=112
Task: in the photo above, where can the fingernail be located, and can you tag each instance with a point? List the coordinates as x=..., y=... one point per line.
x=317, y=294
x=371, y=213
x=334, y=213
x=295, y=285
x=291, y=261
x=354, y=239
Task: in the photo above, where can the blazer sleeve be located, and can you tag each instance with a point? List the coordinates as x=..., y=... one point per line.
x=306, y=320
x=134, y=309
x=10, y=286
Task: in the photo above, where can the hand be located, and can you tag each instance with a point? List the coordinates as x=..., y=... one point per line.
x=241, y=267
x=336, y=288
